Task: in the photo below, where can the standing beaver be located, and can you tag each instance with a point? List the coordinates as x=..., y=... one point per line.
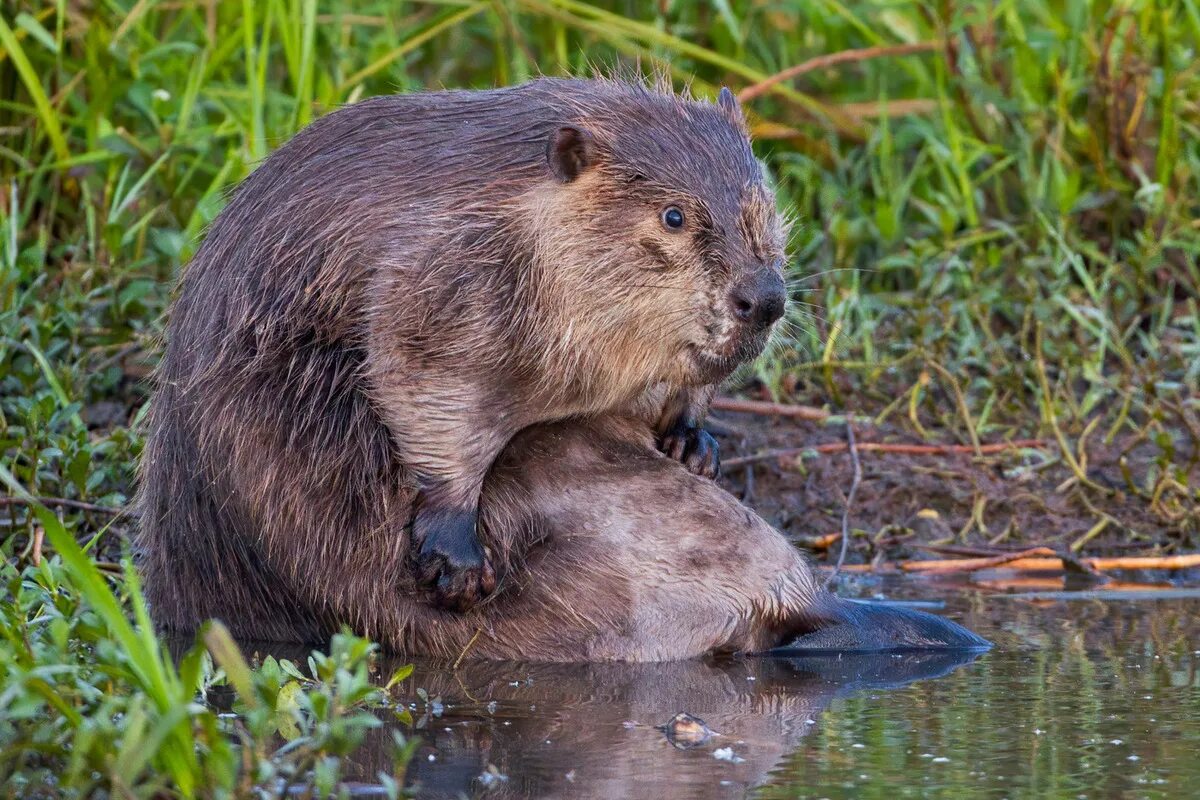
x=412, y=280
x=415, y=285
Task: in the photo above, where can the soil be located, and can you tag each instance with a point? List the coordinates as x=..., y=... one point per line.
x=1013, y=500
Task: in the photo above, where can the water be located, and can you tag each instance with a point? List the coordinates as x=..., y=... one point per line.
x=1078, y=699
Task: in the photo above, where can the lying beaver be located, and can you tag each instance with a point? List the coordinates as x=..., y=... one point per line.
x=398, y=292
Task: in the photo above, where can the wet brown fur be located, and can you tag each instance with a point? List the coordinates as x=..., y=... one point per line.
x=394, y=295
x=630, y=558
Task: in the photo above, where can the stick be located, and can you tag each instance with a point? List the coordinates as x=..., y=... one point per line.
x=960, y=550
x=834, y=59
x=884, y=447
x=463, y=654
x=61, y=502
x=1174, y=593
x=1032, y=564
x=769, y=409
x=820, y=542
x=849, y=503
x=972, y=564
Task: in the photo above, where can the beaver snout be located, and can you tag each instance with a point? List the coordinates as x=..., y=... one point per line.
x=758, y=300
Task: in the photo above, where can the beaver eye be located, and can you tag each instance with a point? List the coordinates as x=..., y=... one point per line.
x=672, y=217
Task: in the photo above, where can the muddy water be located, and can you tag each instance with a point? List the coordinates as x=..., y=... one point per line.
x=1078, y=699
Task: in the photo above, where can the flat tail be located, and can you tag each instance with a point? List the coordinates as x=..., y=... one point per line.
x=850, y=626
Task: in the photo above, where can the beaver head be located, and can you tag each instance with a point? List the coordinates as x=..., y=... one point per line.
x=658, y=210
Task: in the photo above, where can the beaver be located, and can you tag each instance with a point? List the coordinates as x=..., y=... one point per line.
x=434, y=322
x=626, y=555
x=410, y=281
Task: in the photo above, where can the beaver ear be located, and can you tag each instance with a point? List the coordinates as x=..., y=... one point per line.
x=569, y=152
x=728, y=104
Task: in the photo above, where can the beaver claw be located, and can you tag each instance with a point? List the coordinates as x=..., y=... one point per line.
x=693, y=447
x=450, y=561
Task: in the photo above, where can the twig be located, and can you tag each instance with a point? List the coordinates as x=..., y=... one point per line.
x=884, y=447
x=972, y=564
x=1123, y=595
x=820, y=542
x=463, y=654
x=850, y=445
x=61, y=502
x=961, y=400
x=832, y=60
x=961, y=550
x=768, y=409
x=1035, y=564
x=39, y=535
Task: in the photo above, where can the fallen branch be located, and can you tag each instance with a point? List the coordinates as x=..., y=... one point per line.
x=1123, y=595
x=884, y=447
x=60, y=502
x=769, y=409
x=1026, y=562
x=833, y=60
x=972, y=564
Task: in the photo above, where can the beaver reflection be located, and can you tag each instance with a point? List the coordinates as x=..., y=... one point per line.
x=597, y=730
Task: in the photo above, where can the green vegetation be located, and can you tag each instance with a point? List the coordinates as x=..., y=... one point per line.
x=94, y=704
x=998, y=210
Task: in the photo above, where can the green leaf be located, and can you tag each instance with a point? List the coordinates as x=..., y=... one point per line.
x=399, y=675
x=288, y=708
x=33, y=85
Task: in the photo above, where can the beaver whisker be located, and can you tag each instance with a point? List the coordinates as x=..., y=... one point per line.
x=824, y=272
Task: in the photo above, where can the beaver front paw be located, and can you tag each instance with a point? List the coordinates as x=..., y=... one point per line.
x=450, y=561
x=693, y=447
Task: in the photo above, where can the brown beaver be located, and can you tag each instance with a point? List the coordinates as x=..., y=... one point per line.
x=430, y=274
x=403, y=288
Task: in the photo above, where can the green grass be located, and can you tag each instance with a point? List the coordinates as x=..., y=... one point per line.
x=93, y=702
x=998, y=234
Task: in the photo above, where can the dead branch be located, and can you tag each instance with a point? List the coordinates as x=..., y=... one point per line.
x=943, y=565
x=61, y=502
x=764, y=408
x=1024, y=562
x=833, y=60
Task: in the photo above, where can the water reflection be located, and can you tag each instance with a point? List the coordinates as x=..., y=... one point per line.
x=597, y=730
x=1078, y=699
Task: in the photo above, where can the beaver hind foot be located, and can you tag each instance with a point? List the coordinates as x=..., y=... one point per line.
x=450, y=561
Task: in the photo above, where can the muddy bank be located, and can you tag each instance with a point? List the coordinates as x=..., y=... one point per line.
x=1011, y=500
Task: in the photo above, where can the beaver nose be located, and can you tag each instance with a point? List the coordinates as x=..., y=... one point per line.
x=759, y=300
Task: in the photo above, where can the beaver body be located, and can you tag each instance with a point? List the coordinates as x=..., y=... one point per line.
x=416, y=284
x=423, y=276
